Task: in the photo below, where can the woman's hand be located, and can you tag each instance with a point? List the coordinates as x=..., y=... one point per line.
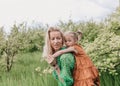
x=49, y=59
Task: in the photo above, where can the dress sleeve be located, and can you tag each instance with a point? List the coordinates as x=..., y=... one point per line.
x=79, y=49
x=67, y=65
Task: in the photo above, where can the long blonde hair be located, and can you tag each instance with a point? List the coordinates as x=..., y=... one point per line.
x=47, y=50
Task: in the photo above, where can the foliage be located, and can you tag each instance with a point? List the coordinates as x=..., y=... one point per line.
x=2, y=40
x=2, y=46
x=21, y=38
x=28, y=38
x=105, y=49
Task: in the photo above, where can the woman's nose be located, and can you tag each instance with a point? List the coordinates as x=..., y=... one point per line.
x=55, y=41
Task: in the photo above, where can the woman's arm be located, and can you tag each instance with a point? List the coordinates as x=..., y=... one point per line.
x=60, y=52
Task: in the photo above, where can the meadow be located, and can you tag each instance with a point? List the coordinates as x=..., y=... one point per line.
x=28, y=70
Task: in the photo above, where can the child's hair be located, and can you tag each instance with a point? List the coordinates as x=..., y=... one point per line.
x=76, y=35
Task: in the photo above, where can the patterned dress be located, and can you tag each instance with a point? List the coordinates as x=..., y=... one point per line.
x=85, y=73
x=66, y=64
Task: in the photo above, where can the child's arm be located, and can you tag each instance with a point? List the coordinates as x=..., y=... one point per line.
x=58, y=53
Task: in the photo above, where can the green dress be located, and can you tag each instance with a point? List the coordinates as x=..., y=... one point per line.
x=66, y=64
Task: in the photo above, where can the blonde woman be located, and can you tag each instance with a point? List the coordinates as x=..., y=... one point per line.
x=64, y=64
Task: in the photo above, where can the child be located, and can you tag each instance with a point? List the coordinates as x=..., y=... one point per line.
x=85, y=73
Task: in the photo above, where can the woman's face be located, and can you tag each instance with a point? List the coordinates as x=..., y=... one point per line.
x=56, y=40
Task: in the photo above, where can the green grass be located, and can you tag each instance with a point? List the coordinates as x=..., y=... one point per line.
x=23, y=72
x=28, y=70
x=107, y=79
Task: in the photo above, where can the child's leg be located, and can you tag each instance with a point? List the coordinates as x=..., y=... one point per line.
x=97, y=82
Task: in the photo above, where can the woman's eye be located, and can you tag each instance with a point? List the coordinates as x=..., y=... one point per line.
x=58, y=38
x=52, y=38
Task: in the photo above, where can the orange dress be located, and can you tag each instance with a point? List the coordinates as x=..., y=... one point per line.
x=85, y=73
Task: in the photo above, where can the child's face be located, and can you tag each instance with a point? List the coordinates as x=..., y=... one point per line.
x=69, y=41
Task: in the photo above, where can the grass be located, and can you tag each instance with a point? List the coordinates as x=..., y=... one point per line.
x=28, y=70
x=109, y=80
x=24, y=72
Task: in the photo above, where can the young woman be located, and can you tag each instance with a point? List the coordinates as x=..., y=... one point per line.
x=53, y=43
x=85, y=73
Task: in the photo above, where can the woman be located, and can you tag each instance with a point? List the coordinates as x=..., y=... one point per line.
x=53, y=43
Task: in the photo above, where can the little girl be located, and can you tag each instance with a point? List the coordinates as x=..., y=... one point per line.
x=85, y=73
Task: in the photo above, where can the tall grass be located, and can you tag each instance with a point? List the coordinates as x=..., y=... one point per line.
x=107, y=79
x=23, y=72
x=28, y=70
